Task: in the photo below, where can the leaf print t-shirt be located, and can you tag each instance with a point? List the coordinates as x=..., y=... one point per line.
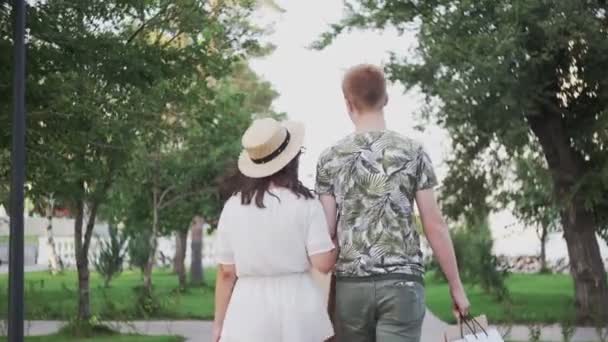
x=374, y=177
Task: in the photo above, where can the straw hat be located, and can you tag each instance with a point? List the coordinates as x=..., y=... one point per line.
x=268, y=146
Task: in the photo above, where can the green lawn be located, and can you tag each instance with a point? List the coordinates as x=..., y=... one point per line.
x=534, y=298
x=55, y=297
x=108, y=338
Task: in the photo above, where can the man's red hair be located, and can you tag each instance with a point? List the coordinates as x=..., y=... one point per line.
x=365, y=86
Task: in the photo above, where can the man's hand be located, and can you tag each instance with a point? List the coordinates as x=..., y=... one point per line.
x=460, y=302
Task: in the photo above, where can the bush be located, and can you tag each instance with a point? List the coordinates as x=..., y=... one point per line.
x=535, y=332
x=86, y=328
x=111, y=257
x=486, y=272
x=147, y=304
x=476, y=263
x=568, y=330
x=139, y=249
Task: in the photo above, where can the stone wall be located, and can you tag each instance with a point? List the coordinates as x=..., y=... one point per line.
x=30, y=254
x=532, y=264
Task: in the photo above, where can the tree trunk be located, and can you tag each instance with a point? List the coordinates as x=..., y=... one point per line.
x=196, y=267
x=181, y=239
x=82, y=265
x=543, y=249
x=152, y=256
x=82, y=256
x=84, y=305
x=54, y=261
x=586, y=266
x=177, y=253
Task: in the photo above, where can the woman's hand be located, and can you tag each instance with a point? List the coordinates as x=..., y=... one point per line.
x=216, y=332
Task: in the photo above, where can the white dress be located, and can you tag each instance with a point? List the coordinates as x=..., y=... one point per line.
x=275, y=298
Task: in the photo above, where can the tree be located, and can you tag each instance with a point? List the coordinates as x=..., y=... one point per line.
x=198, y=144
x=46, y=207
x=179, y=268
x=95, y=73
x=533, y=200
x=138, y=248
x=197, y=277
x=111, y=256
x=505, y=77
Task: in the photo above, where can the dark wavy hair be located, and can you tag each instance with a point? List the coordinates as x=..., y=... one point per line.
x=254, y=189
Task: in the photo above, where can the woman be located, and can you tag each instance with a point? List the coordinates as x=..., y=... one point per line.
x=271, y=232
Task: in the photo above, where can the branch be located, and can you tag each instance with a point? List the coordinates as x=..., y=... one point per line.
x=95, y=206
x=181, y=197
x=145, y=23
x=90, y=226
x=179, y=33
x=139, y=29
x=164, y=194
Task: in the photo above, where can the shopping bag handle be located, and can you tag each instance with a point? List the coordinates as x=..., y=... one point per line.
x=470, y=322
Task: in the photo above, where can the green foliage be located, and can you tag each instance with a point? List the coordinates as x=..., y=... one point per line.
x=533, y=199
x=535, y=332
x=101, y=77
x=172, y=174
x=111, y=256
x=58, y=298
x=534, y=298
x=476, y=263
x=568, y=329
x=138, y=248
x=197, y=145
x=147, y=304
x=86, y=328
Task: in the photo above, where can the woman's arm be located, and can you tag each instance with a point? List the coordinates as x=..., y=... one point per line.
x=324, y=262
x=226, y=278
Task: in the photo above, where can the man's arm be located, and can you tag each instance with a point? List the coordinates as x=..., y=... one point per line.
x=331, y=213
x=437, y=234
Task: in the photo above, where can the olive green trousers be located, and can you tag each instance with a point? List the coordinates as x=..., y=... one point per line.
x=379, y=309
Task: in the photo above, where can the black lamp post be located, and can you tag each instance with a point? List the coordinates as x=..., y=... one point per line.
x=15, y=291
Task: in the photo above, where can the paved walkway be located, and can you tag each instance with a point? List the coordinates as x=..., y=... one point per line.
x=433, y=328
x=200, y=331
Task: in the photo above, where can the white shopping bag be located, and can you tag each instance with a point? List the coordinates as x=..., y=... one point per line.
x=472, y=329
x=490, y=335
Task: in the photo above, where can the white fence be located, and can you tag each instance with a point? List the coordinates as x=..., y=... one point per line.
x=64, y=247
x=521, y=243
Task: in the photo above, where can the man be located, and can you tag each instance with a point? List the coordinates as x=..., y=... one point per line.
x=368, y=181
